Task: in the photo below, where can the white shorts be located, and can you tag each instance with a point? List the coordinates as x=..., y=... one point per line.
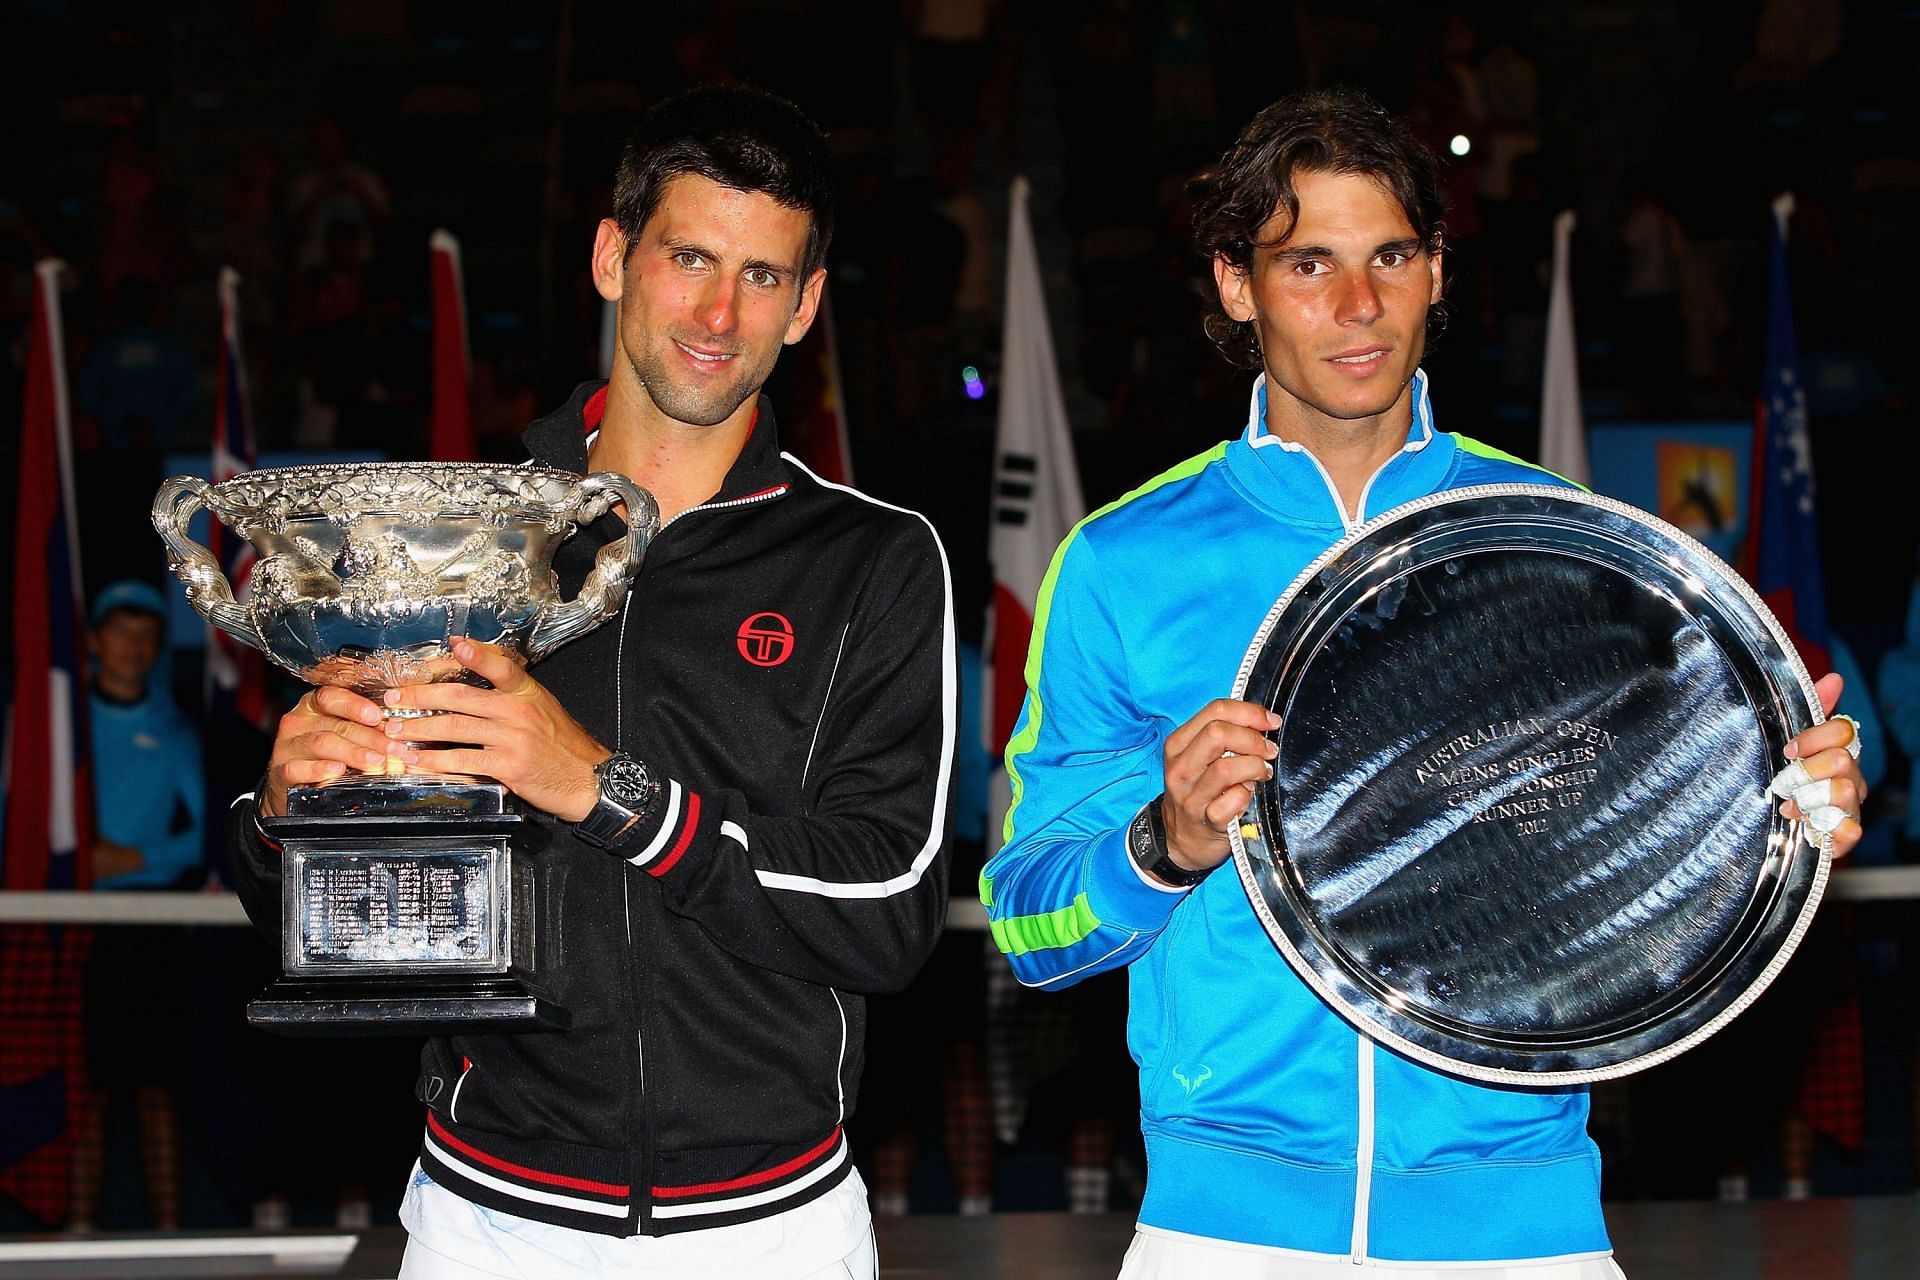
x=1167, y=1255
x=451, y=1238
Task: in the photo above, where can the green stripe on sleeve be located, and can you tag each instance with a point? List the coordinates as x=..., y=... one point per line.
x=1050, y=931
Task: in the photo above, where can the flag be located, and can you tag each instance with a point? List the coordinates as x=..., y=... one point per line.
x=236, y=675
x=452, y=435
x=49, y=797
x=1035, y=503
x=1036, y=490
x=1782, y=560
x=1563, y=434
x=817, y=434
x=49, y=793
x=1782, y=553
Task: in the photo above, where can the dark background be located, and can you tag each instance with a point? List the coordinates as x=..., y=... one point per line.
x=155, y=142
x=315, y=146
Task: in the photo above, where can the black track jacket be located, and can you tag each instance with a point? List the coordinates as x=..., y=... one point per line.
x=786, y=657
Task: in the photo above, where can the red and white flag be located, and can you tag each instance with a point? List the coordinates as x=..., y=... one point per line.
x=1036, y=492
x=49, y=791
x=236, y=680
x=49, y=795
x=452, y=437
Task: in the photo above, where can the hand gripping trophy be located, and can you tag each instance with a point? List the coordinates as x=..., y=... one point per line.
x=408, y=900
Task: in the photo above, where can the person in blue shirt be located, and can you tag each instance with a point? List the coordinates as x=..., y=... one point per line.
x=1282, y=1144
x=148, y=795
x=149, y=804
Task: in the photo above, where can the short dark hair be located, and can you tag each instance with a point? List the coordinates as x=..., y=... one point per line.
x=1312, y=131
x=739, y=137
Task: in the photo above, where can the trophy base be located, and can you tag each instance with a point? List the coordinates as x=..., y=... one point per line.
x=409, y=906
x=371, y=1008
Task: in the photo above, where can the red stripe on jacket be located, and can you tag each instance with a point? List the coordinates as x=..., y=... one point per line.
x=665, y=864
x=752, y=1179
x=521, y=1171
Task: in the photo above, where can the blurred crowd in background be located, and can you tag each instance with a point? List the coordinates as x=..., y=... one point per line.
x=314, y=148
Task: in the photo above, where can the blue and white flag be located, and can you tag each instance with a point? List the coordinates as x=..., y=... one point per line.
x=1782, y=556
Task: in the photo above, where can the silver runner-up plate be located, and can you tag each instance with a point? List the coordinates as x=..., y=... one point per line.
x=1519, y=827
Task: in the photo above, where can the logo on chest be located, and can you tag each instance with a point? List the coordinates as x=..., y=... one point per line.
x=765, y=639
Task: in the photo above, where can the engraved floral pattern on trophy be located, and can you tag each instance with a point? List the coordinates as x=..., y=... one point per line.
x=416, y=493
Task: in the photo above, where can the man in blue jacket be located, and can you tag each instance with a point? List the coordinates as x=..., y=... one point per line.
x=1281, y=1143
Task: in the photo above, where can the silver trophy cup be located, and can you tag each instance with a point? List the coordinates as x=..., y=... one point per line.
x=409, y=901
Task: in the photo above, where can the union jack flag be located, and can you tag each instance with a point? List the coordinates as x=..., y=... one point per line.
x=236, y=674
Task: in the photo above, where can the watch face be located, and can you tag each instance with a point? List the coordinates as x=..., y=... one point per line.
x=1140, y=840
x=627, y=781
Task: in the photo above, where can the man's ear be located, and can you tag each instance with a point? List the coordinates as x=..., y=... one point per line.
x=609, y=259
x=1236, y=289
x=1436, y=264
x=808, y=306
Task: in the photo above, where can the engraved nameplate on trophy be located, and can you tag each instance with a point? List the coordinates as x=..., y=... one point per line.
x=386, y=914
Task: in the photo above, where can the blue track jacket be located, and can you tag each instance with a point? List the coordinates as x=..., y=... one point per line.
x=1268, y=1119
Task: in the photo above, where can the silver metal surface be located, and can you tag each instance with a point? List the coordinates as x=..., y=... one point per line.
x=368, y=572
x=1519, y=826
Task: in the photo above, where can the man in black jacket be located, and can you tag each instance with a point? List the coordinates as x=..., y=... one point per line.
x=745, y=776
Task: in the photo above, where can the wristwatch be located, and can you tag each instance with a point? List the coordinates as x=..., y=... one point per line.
x=629, y=795
x=1147, y=842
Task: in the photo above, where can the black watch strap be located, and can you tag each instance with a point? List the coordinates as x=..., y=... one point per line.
x=628, y=801
x=1147, y=842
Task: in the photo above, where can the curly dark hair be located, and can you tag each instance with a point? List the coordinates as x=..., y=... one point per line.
x=1338, y=130
x=736, y=136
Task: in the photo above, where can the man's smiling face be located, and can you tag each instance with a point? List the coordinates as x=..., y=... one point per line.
x=1339, y=299
x=708, y=294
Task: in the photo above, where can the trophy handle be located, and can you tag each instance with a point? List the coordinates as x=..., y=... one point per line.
x=613, y=567
x=207, y=588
